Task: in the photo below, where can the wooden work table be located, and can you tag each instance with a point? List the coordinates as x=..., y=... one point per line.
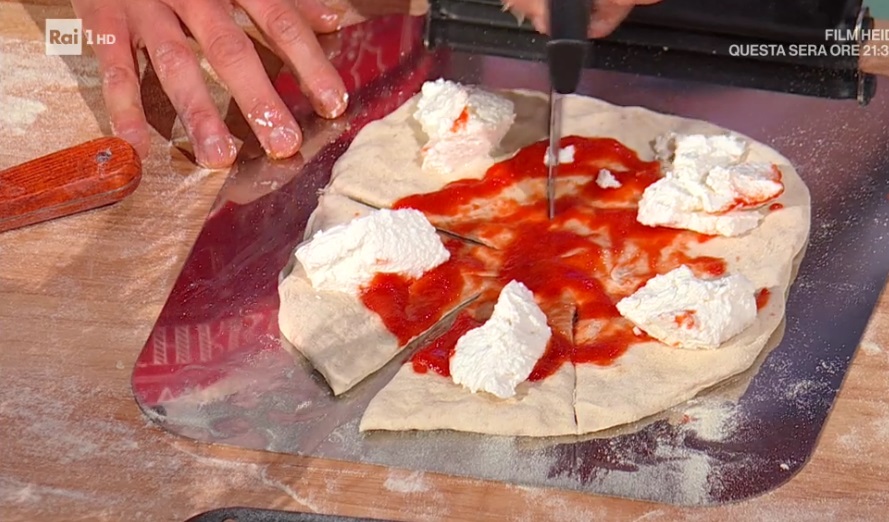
x=79, y=296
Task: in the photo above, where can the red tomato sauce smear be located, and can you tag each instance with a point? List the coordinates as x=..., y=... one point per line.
x=591, y=255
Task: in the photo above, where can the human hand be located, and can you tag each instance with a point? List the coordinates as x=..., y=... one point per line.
x=289, y=26
x=605, y=17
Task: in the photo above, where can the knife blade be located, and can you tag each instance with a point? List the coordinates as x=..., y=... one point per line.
x=555, y=138
x=566, y=55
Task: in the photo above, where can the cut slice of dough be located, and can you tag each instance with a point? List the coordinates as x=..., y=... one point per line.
x=386, y=151
x=343, y=339
x=383, y=162
x=651, y=377
x=429, y=401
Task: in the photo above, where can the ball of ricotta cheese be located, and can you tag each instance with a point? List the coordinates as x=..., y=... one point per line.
x=346, y=257
x=500, y=354
x=682, y=310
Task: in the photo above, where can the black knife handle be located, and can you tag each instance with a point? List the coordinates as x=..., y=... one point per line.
x=566, y=60
x=569, y=19
x=567, y=47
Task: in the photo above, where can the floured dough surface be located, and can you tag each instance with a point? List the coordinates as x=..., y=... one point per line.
x=388, y=151
x=313, y=321
x=342, y=339
x=428, y=401
x=383, y=166
x=332, y=210
x=335, y=331
x=651, y=377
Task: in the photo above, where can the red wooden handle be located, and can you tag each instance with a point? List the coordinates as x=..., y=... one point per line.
x=84, y=177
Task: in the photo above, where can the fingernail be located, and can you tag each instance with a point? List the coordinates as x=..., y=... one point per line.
x=283, y=142
x=216, y=152
x=333, y=102
x=333, y=20
x=338, y=16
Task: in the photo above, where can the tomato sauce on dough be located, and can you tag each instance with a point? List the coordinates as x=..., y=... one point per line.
x=591, y=255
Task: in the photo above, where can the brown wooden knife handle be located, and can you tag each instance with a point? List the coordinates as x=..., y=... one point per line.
x=84, y=177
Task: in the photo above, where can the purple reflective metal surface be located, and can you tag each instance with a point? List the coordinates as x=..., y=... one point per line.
x=216, y=370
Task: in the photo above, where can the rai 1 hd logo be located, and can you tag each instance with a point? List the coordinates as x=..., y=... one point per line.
x=66, y=37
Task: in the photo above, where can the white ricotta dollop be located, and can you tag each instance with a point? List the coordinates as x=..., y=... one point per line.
x=707, y=187
x=566, y=155
x=606, y=180
x=463, y=124
x=346, y=257
x=684, y=311
x=696, y=152
x=501, y=353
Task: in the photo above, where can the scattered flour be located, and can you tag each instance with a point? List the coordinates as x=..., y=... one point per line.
x=556, y=507
x=881, y=427
x=30, y=86
x=711, y=420
x=307, y=501
x=851, y=440
x=871, y=348
x=18, y=114
x=14, y=491
x=692, y=468
x=806, y=393
x=679, y=475
x=208, y=69
x=406, y=482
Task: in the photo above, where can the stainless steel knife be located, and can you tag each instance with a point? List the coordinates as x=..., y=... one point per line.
x=566, y=56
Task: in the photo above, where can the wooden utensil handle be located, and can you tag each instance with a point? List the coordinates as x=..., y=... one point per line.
x=84, y=177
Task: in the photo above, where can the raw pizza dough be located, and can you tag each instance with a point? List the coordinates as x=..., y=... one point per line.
x=314, y=321
x=342, y=339
x=383, y=165
x=383, y=162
